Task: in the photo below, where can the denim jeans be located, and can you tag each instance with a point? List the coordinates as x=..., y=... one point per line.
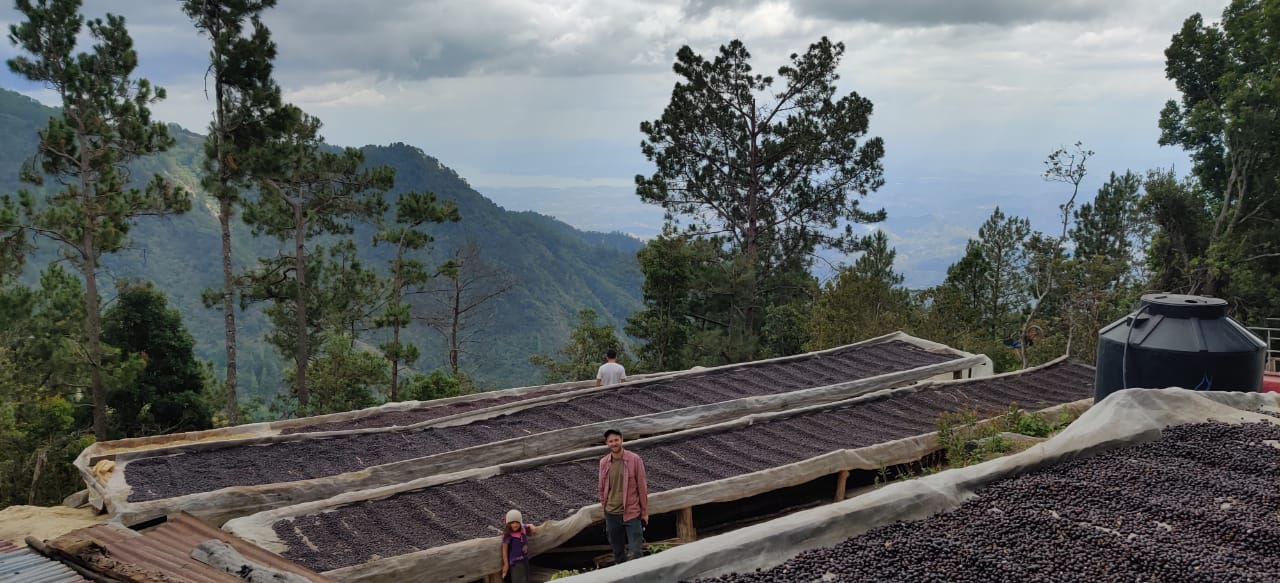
x=624, y=535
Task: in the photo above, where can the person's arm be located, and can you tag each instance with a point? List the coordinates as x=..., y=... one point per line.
x=642, y=484
x=603, y=478
x=532, y=528
x=598, y=371
x=505, y=565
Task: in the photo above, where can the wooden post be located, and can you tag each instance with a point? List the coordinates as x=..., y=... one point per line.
x=840, y=483
x=493, y=578
x=684, y=526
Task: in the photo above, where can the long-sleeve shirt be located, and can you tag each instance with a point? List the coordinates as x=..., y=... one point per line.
x=635, y=486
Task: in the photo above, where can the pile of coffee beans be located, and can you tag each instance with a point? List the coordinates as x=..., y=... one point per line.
x=1200, y=504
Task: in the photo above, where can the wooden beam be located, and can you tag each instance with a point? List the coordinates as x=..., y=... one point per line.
x=685, y=532
x=840, y=483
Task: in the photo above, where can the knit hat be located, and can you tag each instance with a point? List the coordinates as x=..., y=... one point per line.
x=514, y=516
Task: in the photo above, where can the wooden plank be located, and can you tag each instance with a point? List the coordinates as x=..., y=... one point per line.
x=685, y=532
x=840, y=483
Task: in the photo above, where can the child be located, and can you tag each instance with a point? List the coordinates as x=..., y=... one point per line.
x=515, y=547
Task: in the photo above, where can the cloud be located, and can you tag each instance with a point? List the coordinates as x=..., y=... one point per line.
x=443, y=38
x=350, y=93
x=955, y=12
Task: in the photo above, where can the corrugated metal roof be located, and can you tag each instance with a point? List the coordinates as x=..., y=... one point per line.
x=22, y=565
x=167, y=548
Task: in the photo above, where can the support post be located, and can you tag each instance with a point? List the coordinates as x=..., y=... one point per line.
x=493, y=578
x=685, y=532
x=840, y=484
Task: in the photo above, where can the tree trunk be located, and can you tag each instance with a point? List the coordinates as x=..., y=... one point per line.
x=224, y=219
x=454, y=325
x=300, y=353
x=93, y=333
x=395, y=324
x=228, y=310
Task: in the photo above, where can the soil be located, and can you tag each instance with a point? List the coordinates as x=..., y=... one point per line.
x=452, y=513
x=250, y=465
x=44, y=523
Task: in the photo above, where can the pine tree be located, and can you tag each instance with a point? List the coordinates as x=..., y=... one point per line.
x=413, y=210
x=245, y=97
x=105, y=124
x=767, y=175
x=308, y=190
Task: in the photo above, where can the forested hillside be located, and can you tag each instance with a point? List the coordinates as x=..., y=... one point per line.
x=553, y=270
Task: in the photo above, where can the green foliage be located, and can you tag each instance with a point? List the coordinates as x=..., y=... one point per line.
x=563, y=573
x=42, y=375
x=343, y=378
x=655, y=548
x=1228, y=120
x=165, y=396
x=969, y=437
x=668, y=264
x=1108, y=226
x=105, y=123
x=862, y=301
x=435, y=385
x=582, y=356
x=762, y=177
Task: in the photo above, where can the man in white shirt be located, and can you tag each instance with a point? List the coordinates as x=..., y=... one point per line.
x=611, y=373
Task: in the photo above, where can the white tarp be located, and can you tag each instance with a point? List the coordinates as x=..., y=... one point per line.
x=1124, y=418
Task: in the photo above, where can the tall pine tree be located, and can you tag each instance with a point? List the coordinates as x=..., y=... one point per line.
x=413, y=210
x=244, y=99
x=105, y=124
x=308, y=190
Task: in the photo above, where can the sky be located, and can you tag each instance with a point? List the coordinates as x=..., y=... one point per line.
x=538, y=103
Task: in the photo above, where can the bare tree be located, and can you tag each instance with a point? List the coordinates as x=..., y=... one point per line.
x=463, y=300
x=1068, y=167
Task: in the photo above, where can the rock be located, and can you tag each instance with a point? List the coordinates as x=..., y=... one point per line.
x=77, y=500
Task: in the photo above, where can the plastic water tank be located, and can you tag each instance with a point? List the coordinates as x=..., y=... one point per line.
x=1178, y=341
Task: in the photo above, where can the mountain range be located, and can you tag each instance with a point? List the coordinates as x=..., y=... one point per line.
x=554, y=269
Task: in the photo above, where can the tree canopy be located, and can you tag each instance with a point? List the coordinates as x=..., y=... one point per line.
x=767, y=175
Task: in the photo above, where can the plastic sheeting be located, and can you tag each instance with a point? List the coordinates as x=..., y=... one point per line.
x=475, y=558
x=1124, y=418
x=218, y=506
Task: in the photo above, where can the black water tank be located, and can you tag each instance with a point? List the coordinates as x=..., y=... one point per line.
x=1178, y=341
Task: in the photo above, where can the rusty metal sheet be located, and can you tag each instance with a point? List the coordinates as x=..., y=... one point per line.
x=166, y=549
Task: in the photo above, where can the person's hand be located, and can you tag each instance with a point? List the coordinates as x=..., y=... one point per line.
x=645, y=519
x=504, y=571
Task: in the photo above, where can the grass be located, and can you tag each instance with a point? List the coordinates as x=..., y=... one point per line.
x=966, y=439
x=655, y=548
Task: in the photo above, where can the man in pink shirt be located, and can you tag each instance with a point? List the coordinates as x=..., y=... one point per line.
x=624, y=494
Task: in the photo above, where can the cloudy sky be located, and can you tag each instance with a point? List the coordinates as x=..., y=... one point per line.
x=538, y=102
